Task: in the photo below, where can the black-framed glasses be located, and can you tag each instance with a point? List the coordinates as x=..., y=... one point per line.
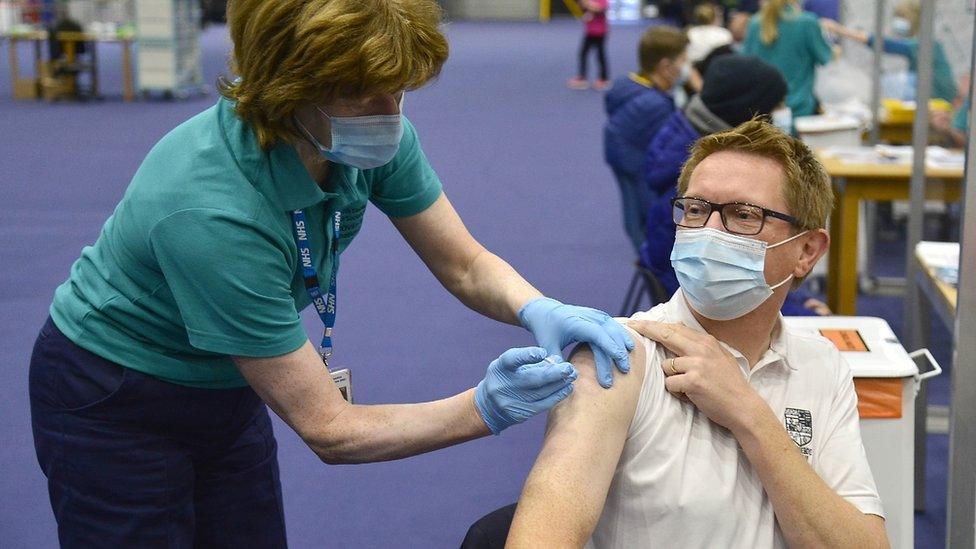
x=737, y=217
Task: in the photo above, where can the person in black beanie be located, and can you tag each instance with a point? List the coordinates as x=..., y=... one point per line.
x=736, y=88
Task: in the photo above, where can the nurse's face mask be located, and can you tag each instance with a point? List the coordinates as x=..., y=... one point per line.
x=901, y=27
x=362, y=142
x=723, y=274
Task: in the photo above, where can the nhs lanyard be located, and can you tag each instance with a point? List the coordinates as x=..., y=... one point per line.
x=325, y=306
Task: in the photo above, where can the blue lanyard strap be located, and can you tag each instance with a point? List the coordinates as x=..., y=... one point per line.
x=325, y=306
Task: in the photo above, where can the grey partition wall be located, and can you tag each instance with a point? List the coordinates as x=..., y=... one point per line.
x=961, y=520
x=878, y=47
x=912, y=336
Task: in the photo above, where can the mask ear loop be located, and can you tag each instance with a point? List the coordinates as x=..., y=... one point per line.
x=781, y=242
x=784, y=281
x=790, y=276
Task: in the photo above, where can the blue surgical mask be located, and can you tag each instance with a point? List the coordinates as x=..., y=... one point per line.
x=722, y=274
x=901, y=27
x=362, y=142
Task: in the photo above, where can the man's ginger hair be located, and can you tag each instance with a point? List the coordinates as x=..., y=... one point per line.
x=806, y=186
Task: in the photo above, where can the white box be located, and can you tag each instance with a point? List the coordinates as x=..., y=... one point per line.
x=889, y=443
x=825, y=130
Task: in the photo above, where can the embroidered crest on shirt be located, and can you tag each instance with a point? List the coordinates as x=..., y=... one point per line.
x=799, y=424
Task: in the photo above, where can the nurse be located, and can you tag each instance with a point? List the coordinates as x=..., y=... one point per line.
x=904, y=42
x=148, y=382
x=791, y=40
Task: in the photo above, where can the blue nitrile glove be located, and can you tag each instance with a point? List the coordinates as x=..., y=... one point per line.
x=520, y=384
x=556, y=325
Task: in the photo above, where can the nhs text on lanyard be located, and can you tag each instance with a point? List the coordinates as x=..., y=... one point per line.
x=324, y=305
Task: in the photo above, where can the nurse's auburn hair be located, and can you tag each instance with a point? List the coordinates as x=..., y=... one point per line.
x=289, y=53
x=806, y=189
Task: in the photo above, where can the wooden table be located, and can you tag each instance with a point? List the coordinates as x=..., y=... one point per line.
x=25, y=87
x=941, y=295
x=71, y=40
x=877, y=182
x=895, y=133
x=29, y=88
x=942, y=298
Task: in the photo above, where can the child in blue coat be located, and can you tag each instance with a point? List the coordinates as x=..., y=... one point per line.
x=636, y=106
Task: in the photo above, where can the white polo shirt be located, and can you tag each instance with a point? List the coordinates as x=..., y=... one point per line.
x=683, y=481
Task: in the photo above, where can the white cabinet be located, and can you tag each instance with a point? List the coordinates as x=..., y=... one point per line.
x=168, y=38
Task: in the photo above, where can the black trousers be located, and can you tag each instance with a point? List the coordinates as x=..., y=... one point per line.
x=590, y=42
x=133, y=461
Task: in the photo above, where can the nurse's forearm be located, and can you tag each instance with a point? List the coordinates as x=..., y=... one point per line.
x=853, y=34
x=297, y=387
x=392, y=431
x=493, y=288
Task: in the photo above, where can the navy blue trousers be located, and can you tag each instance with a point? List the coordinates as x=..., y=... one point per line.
x=133, y=461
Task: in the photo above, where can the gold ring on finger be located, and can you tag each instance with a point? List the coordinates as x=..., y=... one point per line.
x=674, y=372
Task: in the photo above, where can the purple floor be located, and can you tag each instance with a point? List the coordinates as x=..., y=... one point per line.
x=520, y=157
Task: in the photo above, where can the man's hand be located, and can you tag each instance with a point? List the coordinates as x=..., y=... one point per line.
x=817, y=306
x=940, y=120
x=704, y=372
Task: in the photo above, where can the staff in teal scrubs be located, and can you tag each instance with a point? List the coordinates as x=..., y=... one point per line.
x=791, y=40
x=904, y=27
x=174, y=328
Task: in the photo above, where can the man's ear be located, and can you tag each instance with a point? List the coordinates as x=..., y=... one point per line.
x=815, y=244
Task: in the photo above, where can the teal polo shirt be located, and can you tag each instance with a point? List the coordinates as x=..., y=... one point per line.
x=960, y=120
x=797, y=51
x=198, y=262
x=943, y=83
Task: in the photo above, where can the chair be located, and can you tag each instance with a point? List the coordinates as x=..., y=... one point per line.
x=72, y=54
x=491, y=530
x=643, y=284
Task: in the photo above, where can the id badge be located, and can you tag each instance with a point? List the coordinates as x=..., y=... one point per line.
x=343, y=380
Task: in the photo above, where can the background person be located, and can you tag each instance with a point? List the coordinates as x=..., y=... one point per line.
x=951, y=129
x=791, y=40
x=595, y=30
x=904, y=42
x=737, y=88
x=636, y=107
x=148, y=382
x=732, y=430
x=705, y=36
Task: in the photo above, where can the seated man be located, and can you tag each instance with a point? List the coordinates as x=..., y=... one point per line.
x=730, y=430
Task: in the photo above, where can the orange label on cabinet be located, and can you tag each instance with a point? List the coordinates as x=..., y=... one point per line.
x=846, y=340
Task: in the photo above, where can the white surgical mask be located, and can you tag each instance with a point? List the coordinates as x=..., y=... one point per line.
x=362, y=142
x=722, y=274
x=782, y=118
x=901, y=27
